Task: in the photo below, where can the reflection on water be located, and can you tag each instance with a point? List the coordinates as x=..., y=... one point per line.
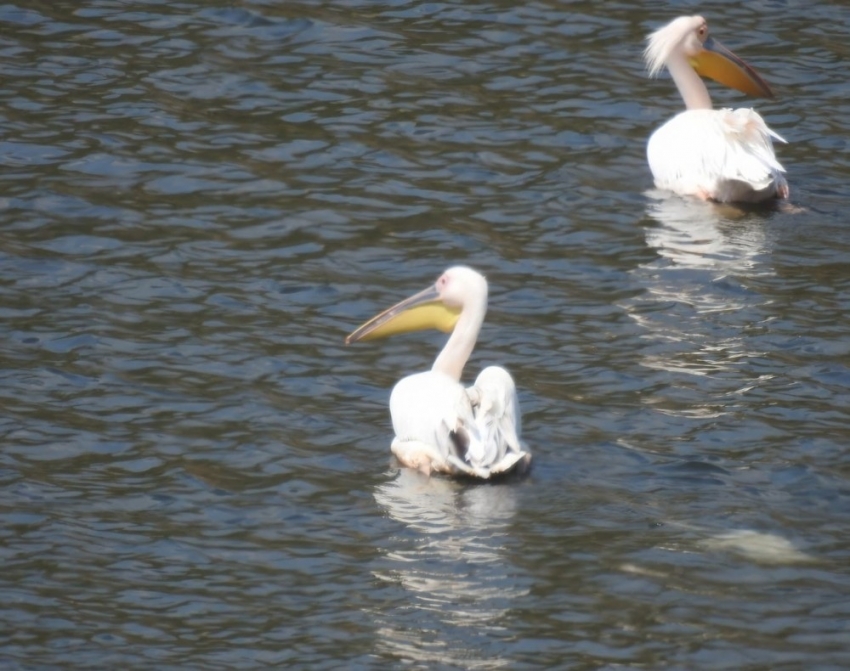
x=755, y=546
x=451, y=566
x=201, y=198
x=696, y=234
x=704, y=249
x=760, y=547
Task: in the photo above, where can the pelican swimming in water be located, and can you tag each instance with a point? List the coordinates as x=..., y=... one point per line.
x=722, y=155
x=439, y=425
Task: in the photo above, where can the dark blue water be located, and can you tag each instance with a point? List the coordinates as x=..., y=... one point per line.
x=198, y=201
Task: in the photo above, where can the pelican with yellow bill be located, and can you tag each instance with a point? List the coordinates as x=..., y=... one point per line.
x=441, y=426
x=720, y=155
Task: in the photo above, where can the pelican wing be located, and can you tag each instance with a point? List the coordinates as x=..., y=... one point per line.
x=442, y=427
x=429, y=411
x=497, y=413
x=724, y=155
x=494, y=447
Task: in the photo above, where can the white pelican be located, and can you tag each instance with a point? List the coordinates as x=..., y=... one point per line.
x=722, y=155
x=439, y=425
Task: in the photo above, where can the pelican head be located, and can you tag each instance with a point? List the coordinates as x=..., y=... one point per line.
x=686, y=41
x=437, y=307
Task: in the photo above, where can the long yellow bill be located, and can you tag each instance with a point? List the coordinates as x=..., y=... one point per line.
x=423, y=311
x=718, y=63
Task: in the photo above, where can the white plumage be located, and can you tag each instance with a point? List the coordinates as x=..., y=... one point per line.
x=439, y=425
x=723, y=155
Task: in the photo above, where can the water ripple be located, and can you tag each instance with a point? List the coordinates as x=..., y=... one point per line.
x=199, y=202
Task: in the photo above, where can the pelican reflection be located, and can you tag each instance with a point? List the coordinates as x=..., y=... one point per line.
x=451, y=563
x=697, y=284
x=696, y=234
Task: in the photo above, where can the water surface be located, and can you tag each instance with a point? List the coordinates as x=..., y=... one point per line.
x=199, y=200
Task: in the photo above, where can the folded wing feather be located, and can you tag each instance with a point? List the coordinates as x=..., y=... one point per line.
x=442, y=427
